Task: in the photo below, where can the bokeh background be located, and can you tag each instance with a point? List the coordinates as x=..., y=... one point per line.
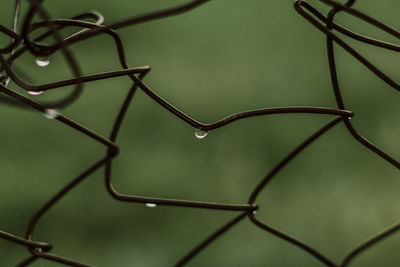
x=225, y=57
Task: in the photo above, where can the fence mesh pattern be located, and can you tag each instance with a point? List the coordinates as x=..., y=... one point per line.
x=38, y=18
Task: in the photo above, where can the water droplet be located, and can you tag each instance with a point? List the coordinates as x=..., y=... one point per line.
x=150, y=205
x=42, y=62
x=51, y=113
x=35, y=92
x=6, y=81
x=349, y=118
x=200, y=134
x=254, y=212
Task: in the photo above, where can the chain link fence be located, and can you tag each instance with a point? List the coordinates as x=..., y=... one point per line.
x=37, y=18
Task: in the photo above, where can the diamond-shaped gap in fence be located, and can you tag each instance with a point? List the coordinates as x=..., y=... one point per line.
x=124, y=232
x=246, y=245
x=162, y=153
x=52, y=156
x=332, y=212
x=372, y=100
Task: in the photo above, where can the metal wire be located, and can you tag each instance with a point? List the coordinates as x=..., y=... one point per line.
x=21, y=43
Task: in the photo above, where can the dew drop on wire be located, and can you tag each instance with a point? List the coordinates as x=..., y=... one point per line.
x=50, y=113
x=150, y=205
x=35, y=92
x=200, y=134
x=6, y=81
x=42, y=62
x=254, y=212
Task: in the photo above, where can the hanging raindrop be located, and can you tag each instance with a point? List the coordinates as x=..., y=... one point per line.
x=200, y=134
x=6, y=81
x=50, y=113
x=42, y=62
x=35, y=92
x=150, y=205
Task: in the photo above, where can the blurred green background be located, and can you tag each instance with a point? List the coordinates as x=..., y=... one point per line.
x=225, y=57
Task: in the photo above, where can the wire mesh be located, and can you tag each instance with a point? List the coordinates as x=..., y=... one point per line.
x=21, y=43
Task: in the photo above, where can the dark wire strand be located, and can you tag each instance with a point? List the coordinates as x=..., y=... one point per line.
x=335, y=83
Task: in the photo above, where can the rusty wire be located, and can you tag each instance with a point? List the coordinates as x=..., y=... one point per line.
x=21, y=43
